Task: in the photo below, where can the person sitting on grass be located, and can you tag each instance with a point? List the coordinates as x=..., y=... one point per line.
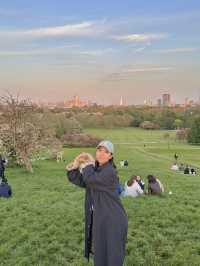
x=193, y=171
x=175, y=167
x=5, y=188
x=155, y=187
x=120, y=189
x=187, y=170
x=126, y=163
x=181, y=167
x=132, y=188
x=140, y=182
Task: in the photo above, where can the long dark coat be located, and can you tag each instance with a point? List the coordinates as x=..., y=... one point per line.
x=105, y=218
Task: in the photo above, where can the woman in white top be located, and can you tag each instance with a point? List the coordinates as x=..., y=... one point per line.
x=132, y=188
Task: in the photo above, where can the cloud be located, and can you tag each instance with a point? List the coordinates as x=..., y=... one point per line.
x=38, y=52
x=178, y=50
x=97, y=52
x=128, y=73
x=145, y=37
x=148, y=69
x=86, y=28
x=101, y=28
x=138, y=50
x=72, y=50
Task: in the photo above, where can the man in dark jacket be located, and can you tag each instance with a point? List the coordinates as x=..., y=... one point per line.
x=187, y=170
x=5, y=189
x=105, y=218
x=2, y=166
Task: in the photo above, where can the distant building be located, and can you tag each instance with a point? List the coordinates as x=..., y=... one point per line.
x=159, y=102
x=121, y=101
x=166, y=99
x=75, y=102
x=186, y=102
x=148, y=102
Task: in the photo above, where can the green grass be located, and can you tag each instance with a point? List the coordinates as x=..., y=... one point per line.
x=43, y=223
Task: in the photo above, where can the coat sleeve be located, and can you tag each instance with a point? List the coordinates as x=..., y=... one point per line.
x=75, y=177
x=101, y=180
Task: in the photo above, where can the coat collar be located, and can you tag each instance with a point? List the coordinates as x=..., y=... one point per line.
x=103, y=165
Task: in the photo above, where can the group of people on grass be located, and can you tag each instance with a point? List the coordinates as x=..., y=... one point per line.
x=106, y=221
x=186, y=169
x=135, y=187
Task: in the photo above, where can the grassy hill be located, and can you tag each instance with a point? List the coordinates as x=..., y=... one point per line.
x=43, y=223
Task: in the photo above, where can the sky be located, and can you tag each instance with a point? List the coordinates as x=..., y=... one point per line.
x=100, y=50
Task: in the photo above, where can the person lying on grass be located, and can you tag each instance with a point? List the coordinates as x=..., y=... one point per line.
x=155, y=187
x=106, y=221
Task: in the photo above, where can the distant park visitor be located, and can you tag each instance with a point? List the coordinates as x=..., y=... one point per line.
x=140, y=182
x=175, y=167
x=181, y=167
x=5, y=188
x=106, y=221
x=155, y=187
x=59, y=156
x=124, y=163
x=132, y=188
x=193, y=171
x=2, y=167
x=176, y=157
x=187, y=170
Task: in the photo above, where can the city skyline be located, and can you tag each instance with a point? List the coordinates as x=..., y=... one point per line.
x=165, y=100
x=101, y=51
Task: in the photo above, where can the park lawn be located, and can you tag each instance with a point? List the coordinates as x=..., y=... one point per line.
x=43, y=223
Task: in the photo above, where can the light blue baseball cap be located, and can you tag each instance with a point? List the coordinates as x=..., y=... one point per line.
x=106, y=144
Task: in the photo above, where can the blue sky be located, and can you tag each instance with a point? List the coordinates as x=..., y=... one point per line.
x=52, y=50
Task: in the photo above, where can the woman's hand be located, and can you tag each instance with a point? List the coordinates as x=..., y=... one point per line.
x=72, y=165
x=85, y=158
x=81, y=161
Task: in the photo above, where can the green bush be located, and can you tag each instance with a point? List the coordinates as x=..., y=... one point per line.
x=194, y=133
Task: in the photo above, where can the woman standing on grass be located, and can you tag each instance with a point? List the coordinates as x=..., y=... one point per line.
x=106, y=221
